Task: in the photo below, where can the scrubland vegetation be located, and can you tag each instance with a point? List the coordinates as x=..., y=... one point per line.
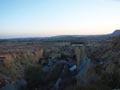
x=41, y=70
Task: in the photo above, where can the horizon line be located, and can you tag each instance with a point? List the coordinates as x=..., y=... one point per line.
x=47, y=36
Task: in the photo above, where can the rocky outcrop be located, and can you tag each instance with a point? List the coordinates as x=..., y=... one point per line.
x=80, y=54
x=83, y=73
x=86, y=71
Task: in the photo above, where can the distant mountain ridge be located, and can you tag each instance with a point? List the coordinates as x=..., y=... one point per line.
x=115, y=33
x=66, y=37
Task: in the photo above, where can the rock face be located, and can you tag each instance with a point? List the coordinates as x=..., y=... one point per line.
x=80, y=55
x=83, y=72
x=85, y=66
x=86, y=72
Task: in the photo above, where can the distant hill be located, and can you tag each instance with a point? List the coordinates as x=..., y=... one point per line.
x=66, y=37
x=115, y=33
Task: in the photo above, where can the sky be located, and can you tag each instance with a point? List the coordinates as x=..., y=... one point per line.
x=41, y=18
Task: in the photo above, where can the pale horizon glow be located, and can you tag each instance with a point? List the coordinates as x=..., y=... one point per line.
x=41, y=18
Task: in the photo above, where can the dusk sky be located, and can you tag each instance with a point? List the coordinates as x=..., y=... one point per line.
x=34, y=18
